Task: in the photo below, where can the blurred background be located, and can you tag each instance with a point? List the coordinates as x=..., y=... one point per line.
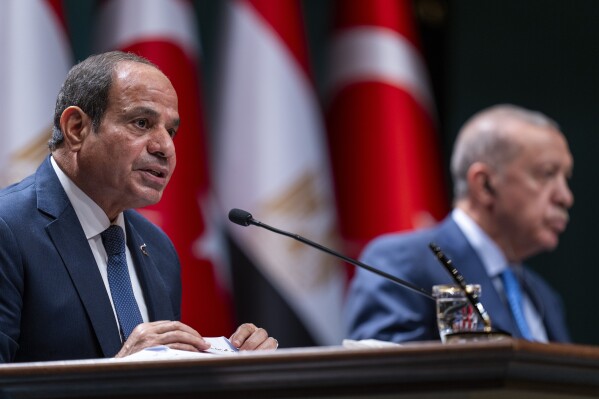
x=331, y=119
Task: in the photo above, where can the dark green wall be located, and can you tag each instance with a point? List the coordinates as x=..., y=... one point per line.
x=541, y=54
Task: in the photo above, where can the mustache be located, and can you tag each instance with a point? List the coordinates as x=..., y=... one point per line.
x=560, y=213
x=564, y=212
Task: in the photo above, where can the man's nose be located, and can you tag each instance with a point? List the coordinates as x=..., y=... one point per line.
x=563, y=193
x=161, y=144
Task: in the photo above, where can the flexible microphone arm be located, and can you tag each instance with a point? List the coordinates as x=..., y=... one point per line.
x=244, y=218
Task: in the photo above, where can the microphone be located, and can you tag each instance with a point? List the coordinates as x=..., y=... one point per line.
x=244, y=218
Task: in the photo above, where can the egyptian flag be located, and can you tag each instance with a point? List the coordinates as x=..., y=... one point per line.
x=36, y=57
x=272, y=160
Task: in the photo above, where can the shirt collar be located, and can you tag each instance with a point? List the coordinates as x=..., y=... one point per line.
x=491, y=256
x=92, y=218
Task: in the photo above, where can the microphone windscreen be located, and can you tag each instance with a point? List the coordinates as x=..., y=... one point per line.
x=240, y=217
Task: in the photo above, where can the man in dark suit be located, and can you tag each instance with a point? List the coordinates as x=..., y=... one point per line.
x=112, y=150
x=510, y=168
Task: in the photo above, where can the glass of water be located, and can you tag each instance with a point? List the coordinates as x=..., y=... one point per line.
x=455, y=314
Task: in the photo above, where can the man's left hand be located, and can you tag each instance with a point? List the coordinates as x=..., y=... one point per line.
x=249, y=337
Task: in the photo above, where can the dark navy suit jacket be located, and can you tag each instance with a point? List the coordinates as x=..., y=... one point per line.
x=379, y=309
x=53, y=302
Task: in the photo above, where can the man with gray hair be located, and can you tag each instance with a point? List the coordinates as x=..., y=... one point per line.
x=510, y=168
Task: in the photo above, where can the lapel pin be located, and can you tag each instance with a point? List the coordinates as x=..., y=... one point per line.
x=143, y=249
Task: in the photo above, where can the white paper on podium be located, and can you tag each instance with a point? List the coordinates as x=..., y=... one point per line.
x=219, y=346
x=368, y=343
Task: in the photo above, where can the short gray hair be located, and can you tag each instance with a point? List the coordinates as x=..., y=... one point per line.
x=483, y=138
x=87, y=86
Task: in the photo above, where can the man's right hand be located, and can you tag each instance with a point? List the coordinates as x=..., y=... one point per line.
x=173, y=334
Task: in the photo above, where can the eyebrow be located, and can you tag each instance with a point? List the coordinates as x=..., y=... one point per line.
x=141, y=110
x=147, y=111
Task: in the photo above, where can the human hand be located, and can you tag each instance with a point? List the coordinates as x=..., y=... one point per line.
x=173, y=334
x=250, y=337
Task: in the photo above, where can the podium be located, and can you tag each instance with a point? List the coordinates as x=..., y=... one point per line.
x=502, y=369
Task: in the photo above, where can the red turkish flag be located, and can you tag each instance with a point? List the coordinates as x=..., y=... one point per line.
x=165, y=32
x=381, y=123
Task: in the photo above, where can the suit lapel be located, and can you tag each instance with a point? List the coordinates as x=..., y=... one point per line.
x=156, y=295
x=69, y=239
x=551, y=319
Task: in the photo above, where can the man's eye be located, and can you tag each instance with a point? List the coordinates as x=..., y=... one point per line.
x=547, y=174
x=172, y=132
x=551, y=172
x=143, y=123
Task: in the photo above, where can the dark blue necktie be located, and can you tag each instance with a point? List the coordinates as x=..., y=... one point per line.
x=513, y=293
x=119, y=281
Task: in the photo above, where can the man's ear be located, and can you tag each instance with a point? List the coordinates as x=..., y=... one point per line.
x=480, y=182
x=75, y=126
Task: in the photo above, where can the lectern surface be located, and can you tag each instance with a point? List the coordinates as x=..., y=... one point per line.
x=503, y=369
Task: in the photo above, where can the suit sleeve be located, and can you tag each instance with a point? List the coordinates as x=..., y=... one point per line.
x=380, y=309
x=11, y=293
